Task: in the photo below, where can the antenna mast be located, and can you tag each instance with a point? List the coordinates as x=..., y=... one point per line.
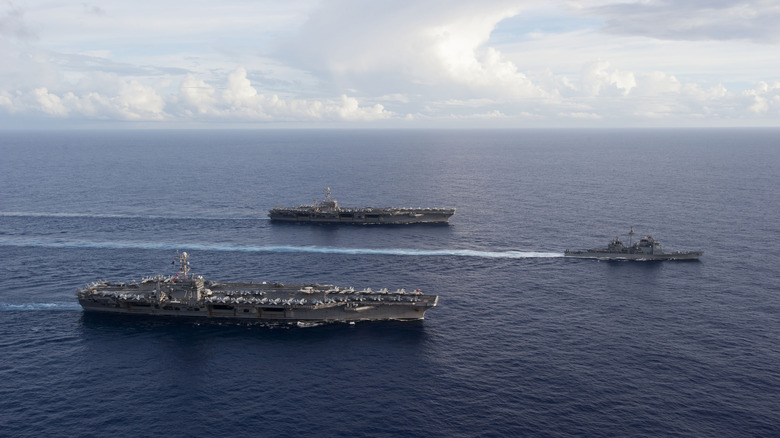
x=184, y=264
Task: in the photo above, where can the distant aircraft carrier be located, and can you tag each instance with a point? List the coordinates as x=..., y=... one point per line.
x=328, y=211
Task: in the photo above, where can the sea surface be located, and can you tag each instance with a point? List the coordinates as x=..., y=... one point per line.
x=524, y=342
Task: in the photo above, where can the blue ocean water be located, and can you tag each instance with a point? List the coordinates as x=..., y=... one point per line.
x=524, y=342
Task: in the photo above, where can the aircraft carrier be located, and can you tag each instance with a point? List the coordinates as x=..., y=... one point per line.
x=185, y=295
x=646, y=249
x=328, y=211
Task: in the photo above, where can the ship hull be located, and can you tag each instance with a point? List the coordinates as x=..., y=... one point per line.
x=253, y=301
x=688, y=255
x=646, y=248
x=260, y=313
x=363, y=217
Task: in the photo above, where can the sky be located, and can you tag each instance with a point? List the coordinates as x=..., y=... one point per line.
x=389, y=64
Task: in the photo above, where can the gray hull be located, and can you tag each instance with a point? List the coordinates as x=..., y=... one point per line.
x=339, y=312
x=646, y=248
x=329, y=212
x=253, y=301
x=688, y=255
x=387, y=216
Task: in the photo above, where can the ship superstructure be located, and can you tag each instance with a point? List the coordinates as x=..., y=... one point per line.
x=328, y=211
x=646, y=248
x=186, y=295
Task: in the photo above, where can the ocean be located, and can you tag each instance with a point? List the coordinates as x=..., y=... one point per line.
x=524, y=342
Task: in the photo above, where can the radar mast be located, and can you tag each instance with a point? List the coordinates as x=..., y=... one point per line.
x=184, y=264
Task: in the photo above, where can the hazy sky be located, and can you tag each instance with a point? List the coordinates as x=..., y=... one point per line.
x=400, y=63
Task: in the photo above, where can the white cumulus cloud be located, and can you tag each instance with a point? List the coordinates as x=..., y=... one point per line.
x=401, y=63
x=240, y=99
x=598, y=78
x=434, y=45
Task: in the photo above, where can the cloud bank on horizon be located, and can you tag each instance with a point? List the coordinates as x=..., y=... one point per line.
x=494, y=63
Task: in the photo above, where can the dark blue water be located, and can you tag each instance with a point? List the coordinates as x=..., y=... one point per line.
x=524, y=341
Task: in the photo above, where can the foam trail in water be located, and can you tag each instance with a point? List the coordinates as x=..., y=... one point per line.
x=293, y=249
x=40, y=306
x=24, y=214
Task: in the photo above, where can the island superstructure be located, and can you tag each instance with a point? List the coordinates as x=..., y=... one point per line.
x=186, y=295
x=646, y=248
x=328, y=211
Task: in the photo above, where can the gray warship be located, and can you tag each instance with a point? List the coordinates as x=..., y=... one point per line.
x=646, y=249
x=185, y=295
x=328, y=211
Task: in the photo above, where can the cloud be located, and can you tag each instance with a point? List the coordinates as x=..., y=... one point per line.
x=438, y=46
x=49, y=103
x=12, y=25
x=133, y=101
x=765, y=98
x=754, y=20
x=507, y=63
x=456, y=52
x=581, y=116
x=198, y=97
x=196, y=100
x=240, y=99
x=597, y=80
x=239, y=90
x=656, y=83
x=602, y=94
x=600, y=79
x=94, y=10
x=138, y=101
